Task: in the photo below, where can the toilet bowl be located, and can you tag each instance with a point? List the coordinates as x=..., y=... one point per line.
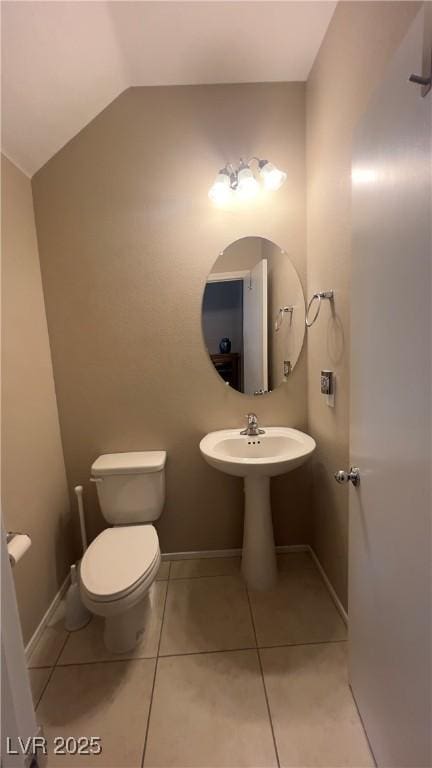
x=121, y=564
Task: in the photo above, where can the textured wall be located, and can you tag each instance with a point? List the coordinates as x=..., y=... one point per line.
x=34, y=490
x=127, y=237
x=359, y=42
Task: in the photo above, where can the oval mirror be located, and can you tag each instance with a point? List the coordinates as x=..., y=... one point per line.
x=253, y=315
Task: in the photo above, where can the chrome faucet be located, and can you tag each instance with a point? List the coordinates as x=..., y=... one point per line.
x=252, y=429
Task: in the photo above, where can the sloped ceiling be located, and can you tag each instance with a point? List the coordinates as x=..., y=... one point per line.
x=63, y=62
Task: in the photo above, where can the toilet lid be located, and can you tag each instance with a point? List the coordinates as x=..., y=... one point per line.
x=118, y=559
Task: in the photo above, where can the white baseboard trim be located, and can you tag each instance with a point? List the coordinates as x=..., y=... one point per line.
x=292, y=548
x=46, y=618
x=329, y=586
x=205, y=553
x=201, y=554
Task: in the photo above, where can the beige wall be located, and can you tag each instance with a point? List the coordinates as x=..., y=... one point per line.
x=359, y=42
x=34, y=491
x=127, y=237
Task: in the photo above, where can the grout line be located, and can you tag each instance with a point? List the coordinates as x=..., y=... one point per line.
x=194, y=653
x=36, y=702
x=163, y=619
x=206, y=653
x=154, y=676
x=51, y=673
x=262, y=678
x=305, y=642
x=150, y=658
x=59, y=653
x=248, y=648
x=268, y=707
x=62, y=649
x=120, y=660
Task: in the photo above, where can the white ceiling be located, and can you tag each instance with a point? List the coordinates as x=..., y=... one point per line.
x=63, y=62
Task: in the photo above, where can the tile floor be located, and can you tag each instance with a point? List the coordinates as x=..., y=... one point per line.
x=222, y=677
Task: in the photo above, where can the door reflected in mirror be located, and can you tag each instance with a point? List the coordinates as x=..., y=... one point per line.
x=253, y=315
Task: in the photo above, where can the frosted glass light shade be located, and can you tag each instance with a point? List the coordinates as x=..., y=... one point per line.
x=220, y=191
x=273, y=178
x=247, y=185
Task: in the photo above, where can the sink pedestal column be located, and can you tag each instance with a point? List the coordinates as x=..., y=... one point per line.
x=259, y=557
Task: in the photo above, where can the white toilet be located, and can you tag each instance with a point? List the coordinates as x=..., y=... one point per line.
x=121, y=564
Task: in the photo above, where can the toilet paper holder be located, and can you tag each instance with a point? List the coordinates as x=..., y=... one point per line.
x=17, y=545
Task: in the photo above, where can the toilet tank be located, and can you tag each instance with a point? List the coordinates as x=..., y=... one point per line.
x=130, y=486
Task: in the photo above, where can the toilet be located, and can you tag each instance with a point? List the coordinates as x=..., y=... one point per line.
x=120, y=565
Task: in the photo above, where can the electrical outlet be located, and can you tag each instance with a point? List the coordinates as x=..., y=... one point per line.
x=328, y=386
x=326, y=382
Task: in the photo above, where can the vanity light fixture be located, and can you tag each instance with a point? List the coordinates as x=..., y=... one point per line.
x=242, y=182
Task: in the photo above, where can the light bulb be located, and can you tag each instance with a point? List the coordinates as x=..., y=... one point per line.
x=364, y=175
x=273, y=178
x=247, y=185
x=220, y=192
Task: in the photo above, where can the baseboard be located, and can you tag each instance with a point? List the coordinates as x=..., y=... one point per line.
x=205, y=553
x=292, y=548
x=201, y=554
x=329, y=586
x=46, y=618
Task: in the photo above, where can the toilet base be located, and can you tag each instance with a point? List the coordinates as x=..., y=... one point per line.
x=124, y=630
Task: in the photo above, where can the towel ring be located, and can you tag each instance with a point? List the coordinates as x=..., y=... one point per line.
x=318, y=297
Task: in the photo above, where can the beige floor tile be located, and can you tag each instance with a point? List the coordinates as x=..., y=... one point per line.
x=298, y=610
x=38, y=680
x=315, y=720
x=87, y=644
x=208, y=614
x=209, y=710
x=163, y=572
x=110, y=700
x=51, y=642
x=209, y=566
x=288, y=561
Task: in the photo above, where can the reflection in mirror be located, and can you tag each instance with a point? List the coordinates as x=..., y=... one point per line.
x=253, y=315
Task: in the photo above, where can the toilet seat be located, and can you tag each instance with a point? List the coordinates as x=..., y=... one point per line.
x=120, y=561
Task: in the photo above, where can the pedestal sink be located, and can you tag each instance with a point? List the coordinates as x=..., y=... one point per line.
x=257, y=459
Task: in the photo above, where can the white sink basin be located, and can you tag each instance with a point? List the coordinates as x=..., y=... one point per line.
x=257, y=459
x=277, y=451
